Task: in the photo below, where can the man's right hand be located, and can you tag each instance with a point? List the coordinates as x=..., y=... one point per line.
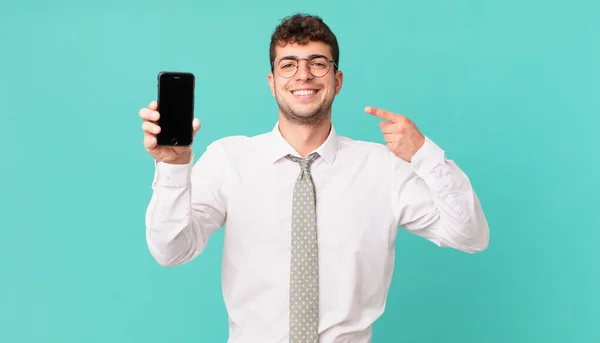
x=166, y=154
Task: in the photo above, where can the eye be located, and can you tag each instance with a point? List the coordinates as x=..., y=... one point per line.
x=319, y=63
x=287, y=65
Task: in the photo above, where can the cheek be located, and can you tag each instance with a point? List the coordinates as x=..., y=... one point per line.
x=279, y=88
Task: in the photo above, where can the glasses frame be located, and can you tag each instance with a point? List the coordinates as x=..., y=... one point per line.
x=307, y=59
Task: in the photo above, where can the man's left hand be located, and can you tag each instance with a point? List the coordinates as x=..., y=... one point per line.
x=402, y=136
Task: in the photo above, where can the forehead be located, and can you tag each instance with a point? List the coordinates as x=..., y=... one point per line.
x=298, y=50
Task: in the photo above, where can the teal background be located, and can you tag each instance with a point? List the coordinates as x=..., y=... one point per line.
x=510, y=89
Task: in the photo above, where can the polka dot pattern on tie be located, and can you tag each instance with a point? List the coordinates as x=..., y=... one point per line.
x=304, y=271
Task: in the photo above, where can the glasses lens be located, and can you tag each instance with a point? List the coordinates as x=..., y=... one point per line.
x=287, y=68
x=319, y=66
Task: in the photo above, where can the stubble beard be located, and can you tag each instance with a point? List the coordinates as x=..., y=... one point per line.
x=314, y=118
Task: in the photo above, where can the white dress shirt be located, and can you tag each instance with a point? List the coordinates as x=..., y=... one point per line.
x=363, y=195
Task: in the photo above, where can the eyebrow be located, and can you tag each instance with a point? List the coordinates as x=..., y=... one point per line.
x=293, y=57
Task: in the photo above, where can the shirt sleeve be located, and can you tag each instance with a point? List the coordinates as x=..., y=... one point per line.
x=434, y=198
x=187, y=206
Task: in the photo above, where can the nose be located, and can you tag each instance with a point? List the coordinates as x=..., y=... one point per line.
x=303, y=72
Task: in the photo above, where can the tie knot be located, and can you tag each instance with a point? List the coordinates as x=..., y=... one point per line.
x=304, y=162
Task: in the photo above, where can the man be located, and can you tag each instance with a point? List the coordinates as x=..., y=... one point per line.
x=310, y=217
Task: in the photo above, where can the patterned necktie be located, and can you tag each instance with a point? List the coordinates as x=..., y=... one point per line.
x=304, y=272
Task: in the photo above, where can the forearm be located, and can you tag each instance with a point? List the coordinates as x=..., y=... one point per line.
x=445, y=208
x=175, y=232
x=461, y=219
x=170, y=232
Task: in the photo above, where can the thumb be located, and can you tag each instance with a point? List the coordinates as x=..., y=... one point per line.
x=196, y=124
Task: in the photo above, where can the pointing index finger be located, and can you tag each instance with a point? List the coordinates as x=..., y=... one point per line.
x=383, y=114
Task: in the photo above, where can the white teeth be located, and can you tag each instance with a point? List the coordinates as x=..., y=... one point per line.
x=304, y=92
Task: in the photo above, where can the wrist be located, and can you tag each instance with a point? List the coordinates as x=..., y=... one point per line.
x=183, y=158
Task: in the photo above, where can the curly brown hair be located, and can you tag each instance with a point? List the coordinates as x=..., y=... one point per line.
x=301, y=29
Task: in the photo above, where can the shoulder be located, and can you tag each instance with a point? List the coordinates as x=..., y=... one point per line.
x=240, y=142
x=370, y=154
x=357, y=147
x=237, y=145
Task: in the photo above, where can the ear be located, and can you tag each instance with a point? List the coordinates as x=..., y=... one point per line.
x=271, y=83
x=339, y=79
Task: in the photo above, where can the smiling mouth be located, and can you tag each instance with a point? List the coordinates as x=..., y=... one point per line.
x=305, y=92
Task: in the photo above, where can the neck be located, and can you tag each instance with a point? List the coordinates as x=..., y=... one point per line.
x=304, y=138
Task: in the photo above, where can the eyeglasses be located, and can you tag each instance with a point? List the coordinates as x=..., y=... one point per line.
x=318, y=65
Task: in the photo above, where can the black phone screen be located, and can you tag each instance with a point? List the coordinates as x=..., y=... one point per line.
x=176, y=108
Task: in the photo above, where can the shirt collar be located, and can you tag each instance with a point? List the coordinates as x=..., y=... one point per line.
x=279, y=147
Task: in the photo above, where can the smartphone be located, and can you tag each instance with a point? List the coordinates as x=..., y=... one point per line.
x=176, y=108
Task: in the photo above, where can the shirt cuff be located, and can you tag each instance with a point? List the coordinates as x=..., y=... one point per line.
x=427, y=158
x=173, y=175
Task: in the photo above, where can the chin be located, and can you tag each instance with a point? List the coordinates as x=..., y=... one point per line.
x=306, y=110
x=304, y=113
x=309, y=118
